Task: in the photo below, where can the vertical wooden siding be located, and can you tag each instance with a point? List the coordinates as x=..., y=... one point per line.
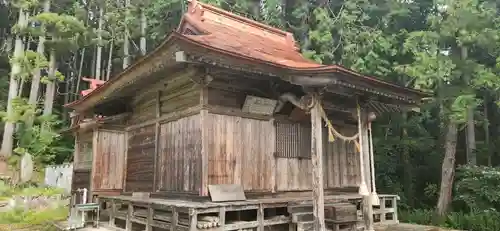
x=340, y=165
x=109, y=160
x=241, y=152
x=179, y=160
x=140, y=160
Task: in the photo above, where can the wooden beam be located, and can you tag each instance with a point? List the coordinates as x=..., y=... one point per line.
x=167, y=117
x=317, y=162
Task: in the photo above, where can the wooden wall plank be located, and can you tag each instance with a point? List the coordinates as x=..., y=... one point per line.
x=179, y=160
x=239, y=152
x=341, y=168
x=140, y=160
x=109, y=160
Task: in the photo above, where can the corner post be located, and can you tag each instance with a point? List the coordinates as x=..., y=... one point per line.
x=367, y=199
x=317, y=162
x=203, y=84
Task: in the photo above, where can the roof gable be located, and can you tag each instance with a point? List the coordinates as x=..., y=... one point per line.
x=209, y=17
x=226, y=31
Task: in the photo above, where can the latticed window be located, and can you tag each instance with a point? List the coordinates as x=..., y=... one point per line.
x=293, y=140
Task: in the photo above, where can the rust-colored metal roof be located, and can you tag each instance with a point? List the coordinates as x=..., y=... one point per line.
x=226, y=31
x=221, y=31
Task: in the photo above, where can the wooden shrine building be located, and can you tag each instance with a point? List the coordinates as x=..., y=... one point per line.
x=230, y=102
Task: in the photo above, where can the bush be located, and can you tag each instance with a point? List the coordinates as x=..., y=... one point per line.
x=477, y=188
x=488, y=220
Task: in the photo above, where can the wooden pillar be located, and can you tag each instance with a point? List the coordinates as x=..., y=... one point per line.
x=193, y=220
x=222, y=217
x=149, y=221
x=157, y=142
x=130, y=214
x=204, y=141
x=112, y=213
x=175, y=219
x=260, y=218
x=317, y=162
x=367, y=202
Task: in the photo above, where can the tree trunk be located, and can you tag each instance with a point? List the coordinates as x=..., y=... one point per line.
x=99, y=46
x=35, y=82
x=51, y=86
x=486, y=126
x=126, y=43
x=8, y=135
x=110, y=60
x=447, y=172
x=408, y=167
x=143, y=33
x=79, y=79
x=470, y=134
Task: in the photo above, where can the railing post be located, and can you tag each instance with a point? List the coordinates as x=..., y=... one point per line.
x=382, y=209
x=395, y=205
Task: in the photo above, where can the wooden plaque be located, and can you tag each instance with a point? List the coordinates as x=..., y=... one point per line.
x=226, y=192
x=259, y=105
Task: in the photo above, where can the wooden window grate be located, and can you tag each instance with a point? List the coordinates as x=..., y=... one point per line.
x=293, y=140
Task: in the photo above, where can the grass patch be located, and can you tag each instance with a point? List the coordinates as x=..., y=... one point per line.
x=487, y=220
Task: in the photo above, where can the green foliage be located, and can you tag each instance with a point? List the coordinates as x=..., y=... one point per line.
x=29, y=62
x=64, y=30
x=21, y=215
x=21, y=111
x=42, y=141
x=25, y=4
x=478, y=187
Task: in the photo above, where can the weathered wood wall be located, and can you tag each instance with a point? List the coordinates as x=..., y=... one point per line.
x=179, y=160
x=164, y=97
x=340, y=160
x=280, y=150
x=241, y=152
x=109, y=160
x=164, y=144
x=140, y=160
x=83, y=150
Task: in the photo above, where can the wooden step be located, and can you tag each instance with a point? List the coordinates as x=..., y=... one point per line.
x=302, y=217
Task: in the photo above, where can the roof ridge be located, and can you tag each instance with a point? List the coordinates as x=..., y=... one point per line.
x=197, y=10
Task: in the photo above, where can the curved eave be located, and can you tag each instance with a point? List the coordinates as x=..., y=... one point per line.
x=324, y=69
x=84, y=103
